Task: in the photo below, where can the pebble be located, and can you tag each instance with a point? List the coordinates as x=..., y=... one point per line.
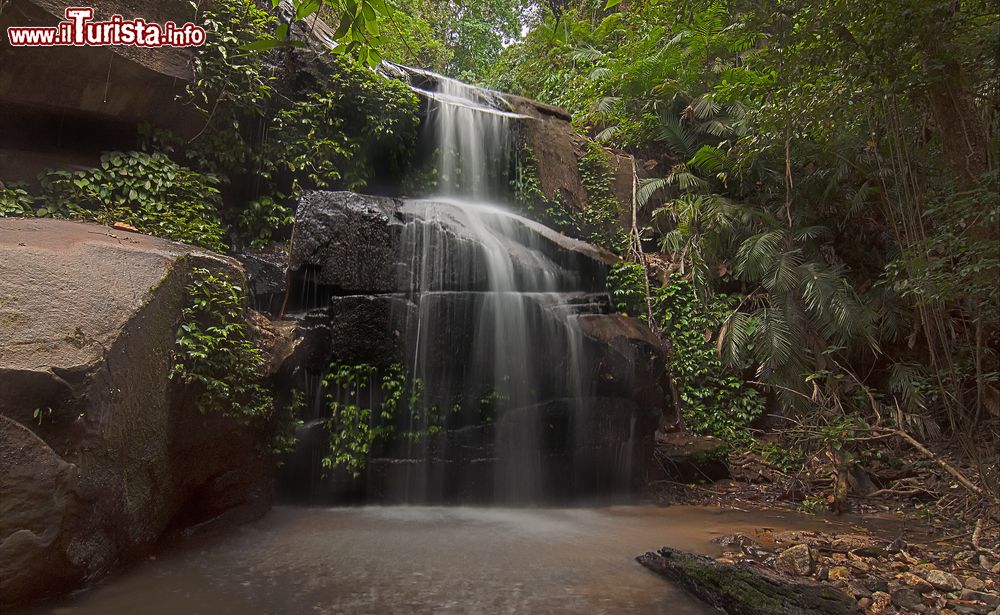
x=907, y=598
x=839, y=574
x=880, y=603
x=917, y=583
x=966, y=607
x=975, y=584
x=944, y=581
x=859, y=564
x=992, y=600
x=858, y=589
x=796, y=561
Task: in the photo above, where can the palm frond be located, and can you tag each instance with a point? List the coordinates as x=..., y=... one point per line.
x=757, y=254
x=608, y=134
x=676, y=136
x=648, y=187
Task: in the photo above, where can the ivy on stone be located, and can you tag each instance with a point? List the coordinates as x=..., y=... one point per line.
x=366, y=405
x=150, y=192
x=714, y=400
x=214, y=355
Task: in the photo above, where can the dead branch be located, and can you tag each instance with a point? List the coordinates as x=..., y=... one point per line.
x=950, y=469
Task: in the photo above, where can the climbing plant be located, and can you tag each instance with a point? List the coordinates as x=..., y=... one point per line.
x=214, y=354
x=366, y=405
x=15, y=201
x=714, y=399
x=600, y=220
x=627, y=286
x=340, y=124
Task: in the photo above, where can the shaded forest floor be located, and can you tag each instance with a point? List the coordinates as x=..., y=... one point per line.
x=921, y=541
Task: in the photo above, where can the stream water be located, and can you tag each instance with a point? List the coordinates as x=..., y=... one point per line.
x=426, y=560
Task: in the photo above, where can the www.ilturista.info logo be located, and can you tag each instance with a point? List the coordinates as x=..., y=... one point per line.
x=80, y=30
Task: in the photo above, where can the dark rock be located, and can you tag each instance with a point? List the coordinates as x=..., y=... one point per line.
x=990, y=599
x=84, y=365
x=37, y=498
x=747, y=589
x=858, y=589
x=965, y=607
x=906, y=598
x=267, y=276
x=630, y=361
x=688, y=457
x=896, y=546
x=347, y=242
x=353, y=329
x=558, y=149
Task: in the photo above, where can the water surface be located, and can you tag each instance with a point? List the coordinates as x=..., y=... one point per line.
x=426, y=560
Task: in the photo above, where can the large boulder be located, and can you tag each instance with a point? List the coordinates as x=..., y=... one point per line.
x=557, y=146
x=100, y=453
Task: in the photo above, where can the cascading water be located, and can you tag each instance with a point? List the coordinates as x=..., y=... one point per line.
x=521, y=387
x=495, y=272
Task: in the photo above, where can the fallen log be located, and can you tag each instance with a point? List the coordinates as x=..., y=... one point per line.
x=745, y=588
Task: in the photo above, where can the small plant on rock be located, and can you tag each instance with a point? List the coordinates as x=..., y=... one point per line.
x=148, y=191
x=214, y=354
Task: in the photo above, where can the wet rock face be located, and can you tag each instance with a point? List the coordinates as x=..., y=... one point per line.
x=37, y=496
x=452, y=294
x=100, y=454
x=346, y=243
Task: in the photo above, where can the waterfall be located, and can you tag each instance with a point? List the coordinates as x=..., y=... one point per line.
x=506, y=300
x=520, y=386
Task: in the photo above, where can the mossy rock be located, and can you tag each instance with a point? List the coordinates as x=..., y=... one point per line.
x=747, y=589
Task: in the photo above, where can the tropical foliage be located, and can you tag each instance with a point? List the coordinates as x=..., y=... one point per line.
x=828, y=169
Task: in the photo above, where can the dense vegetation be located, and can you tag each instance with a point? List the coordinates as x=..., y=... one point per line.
x=818, y=230
x=824, y=171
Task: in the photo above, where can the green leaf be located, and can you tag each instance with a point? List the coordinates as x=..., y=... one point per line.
x=305, y=8
x=612, y=4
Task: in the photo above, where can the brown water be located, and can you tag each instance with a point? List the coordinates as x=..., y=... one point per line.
x=427, y=560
